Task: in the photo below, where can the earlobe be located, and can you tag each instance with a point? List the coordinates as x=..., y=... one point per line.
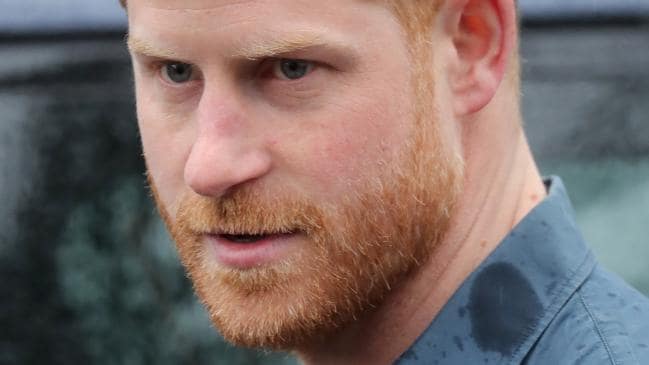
x=483, y=34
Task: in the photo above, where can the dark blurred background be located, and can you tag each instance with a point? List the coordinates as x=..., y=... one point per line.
x=88, y=274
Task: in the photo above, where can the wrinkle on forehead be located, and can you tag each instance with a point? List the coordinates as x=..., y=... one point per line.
x=191, y=5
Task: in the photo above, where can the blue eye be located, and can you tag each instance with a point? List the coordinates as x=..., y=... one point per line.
x=178, y=72
x=290, y=69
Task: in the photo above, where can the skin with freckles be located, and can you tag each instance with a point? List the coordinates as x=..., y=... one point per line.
x=371, y=152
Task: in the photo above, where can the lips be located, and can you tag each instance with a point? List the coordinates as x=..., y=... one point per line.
x=245, y=250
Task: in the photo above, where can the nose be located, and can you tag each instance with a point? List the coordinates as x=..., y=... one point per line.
x=225, y=153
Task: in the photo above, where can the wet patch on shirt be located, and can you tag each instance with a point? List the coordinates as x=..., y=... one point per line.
x=502, y=305
x=461, y=312
x=458, y=342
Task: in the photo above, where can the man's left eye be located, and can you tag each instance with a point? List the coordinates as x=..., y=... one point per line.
x=290, y=69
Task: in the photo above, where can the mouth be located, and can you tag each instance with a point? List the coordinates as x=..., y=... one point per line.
x=245, y=250
x=249, y=238
x=244, y=238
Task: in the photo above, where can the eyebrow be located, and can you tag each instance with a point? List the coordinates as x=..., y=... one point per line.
x=139, y=46
x=254, y=49
x=259, y=49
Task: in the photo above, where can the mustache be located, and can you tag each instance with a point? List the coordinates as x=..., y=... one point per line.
x=249, y=211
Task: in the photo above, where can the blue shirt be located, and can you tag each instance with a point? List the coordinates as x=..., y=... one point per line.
x=539, y=298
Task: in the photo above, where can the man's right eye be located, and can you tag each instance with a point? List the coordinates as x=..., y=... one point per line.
x=177, y=72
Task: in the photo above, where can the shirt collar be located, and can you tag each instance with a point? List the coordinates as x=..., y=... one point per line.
x=505, y=304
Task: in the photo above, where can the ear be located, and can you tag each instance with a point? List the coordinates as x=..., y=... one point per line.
x=482, y=34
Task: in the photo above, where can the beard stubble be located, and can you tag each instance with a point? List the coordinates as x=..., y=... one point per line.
x=354, y=251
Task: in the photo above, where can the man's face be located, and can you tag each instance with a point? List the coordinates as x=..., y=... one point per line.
x=298, y=170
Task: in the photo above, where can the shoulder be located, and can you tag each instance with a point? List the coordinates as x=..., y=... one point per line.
x=605, y=322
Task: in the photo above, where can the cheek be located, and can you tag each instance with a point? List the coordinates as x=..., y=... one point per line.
x=165, y=145
x=352, y=142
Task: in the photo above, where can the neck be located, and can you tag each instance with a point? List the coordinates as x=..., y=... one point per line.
x=501, y=185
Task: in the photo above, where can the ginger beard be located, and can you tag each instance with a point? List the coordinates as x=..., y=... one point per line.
x=353, y=251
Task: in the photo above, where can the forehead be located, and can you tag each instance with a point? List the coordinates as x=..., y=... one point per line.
x=216, y=5
x=226, y=24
